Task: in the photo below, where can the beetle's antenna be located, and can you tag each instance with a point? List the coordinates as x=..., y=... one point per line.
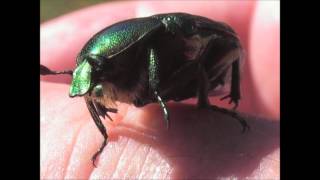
x=46, y=71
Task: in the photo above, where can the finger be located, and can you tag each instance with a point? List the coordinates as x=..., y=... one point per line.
x=265, y=58
x=68, y=135
x=141, y=147
x=60, y=122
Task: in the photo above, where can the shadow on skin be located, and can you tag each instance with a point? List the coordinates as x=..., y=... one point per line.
x=203, y=143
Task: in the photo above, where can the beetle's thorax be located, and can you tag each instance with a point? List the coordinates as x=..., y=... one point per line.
x=112, y=94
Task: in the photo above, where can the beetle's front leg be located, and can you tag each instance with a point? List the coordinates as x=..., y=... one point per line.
x=154, y=82
x=97, y=92
x=99, y=124
x=235, y=84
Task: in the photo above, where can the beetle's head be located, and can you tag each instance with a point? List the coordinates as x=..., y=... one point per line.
x=86, y=75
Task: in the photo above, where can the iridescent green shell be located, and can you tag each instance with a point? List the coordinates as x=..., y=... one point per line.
x=117, y=38
x=107, y=43
x=81, y=81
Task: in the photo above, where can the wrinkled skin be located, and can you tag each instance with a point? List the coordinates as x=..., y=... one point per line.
x=200, y=143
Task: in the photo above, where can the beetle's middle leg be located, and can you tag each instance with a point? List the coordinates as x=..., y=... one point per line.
x=203, y=85
x=154, y=82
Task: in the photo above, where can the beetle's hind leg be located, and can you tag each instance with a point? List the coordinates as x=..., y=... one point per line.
x=203, y=100
x=233, y=114
x=203, y=85
x=235, y=85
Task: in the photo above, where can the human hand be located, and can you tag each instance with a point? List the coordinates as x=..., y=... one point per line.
x=199, y=144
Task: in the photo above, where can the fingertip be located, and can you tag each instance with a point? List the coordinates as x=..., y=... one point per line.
x=265, y=57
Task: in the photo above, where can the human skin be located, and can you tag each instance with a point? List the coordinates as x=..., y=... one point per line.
x=200, y=143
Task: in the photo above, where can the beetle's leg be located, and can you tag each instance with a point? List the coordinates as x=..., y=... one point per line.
x=235, y=85
x=233, y=114
x=164, y=109
x=103, y=111
x=46, y=71
x=100, y=126
x=97, y=92
x=203, y=84
x=154, y=82
x=203, y=101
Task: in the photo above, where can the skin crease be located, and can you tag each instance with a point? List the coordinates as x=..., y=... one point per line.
x=199, y=144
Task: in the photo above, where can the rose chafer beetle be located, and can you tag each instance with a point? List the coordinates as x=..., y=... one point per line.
x=156, y=59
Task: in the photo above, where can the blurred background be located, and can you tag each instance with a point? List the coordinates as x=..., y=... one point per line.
x=50, y=9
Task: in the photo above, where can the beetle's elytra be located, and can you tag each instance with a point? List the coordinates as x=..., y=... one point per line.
x=159, y=58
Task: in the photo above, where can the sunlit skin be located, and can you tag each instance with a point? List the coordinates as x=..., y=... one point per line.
x=199, y=143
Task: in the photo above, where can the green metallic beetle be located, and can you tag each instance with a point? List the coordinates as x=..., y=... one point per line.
x=159, y=58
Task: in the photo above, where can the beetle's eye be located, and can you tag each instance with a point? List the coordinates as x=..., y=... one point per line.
x=97, y=90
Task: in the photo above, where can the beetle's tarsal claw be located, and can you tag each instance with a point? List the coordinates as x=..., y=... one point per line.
x=236, y=104
x=245, y=128
x=109, y=117
x=232, y=100
x=224, y=97
x=112, y=110
x=93, y=159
